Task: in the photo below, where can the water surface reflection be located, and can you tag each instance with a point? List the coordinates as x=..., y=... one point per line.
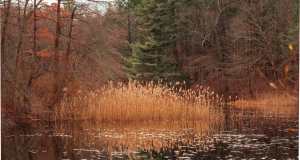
x=244, y=134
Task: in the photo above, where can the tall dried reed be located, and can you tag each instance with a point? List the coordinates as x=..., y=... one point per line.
x=137, y=102
x=269, y=99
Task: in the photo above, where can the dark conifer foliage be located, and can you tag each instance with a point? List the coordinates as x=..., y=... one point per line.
x=155, y=54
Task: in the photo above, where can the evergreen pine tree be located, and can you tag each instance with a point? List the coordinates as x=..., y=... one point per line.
x=155, y=55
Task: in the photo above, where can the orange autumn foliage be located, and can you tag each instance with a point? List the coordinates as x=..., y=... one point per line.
x=43, y=34
x=49, y=13
x=46, y=54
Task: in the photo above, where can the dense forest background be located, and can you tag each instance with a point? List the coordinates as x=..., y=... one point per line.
x=240, y=48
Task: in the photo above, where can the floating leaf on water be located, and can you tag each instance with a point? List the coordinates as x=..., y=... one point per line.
x=292, y=129
x=32, y=151
x=290, y=46
x=183, y=158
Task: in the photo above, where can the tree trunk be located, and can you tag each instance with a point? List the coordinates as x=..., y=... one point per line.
x=19, y=69
x=3, y=38
x=249, y=83
x=56, y=72
x=34, y=33
x=67, y=59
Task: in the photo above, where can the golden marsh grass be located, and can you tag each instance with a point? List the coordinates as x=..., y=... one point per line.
x=269, y=99
x=137, y=102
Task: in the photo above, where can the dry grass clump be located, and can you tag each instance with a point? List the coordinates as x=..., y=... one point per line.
x=270, y=99
x=137, y=102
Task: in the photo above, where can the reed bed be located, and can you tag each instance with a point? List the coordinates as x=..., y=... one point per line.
x=268, y=104
x=137, y=102
x=269, y=99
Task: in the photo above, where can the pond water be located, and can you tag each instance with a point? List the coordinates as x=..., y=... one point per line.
x=244, y=133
